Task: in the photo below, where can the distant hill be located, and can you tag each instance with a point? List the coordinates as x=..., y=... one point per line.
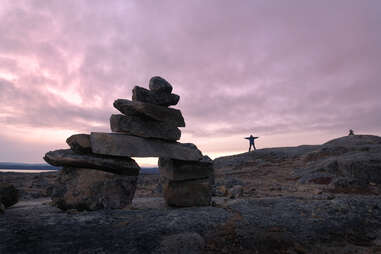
x=44, y=166
x=15, y=165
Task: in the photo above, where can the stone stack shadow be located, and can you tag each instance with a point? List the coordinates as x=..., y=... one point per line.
x=147, y=127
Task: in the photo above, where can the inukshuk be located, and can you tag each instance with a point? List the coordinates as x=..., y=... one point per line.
x=147, y=127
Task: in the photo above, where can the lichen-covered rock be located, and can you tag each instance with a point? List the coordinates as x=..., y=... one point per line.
x=183, y=243
x=188, y=193
x=86, y=189
x=8, y=195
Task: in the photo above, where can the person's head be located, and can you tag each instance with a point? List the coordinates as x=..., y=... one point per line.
x=251, y=136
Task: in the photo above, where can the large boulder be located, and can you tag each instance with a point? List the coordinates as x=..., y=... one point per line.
x=8, y=194
x=87, y=189
x=143, y=127
x=68, y=158
x=187, y=193
x=79, y=143
x=117, y=144
x=179, y=170
x=159, y=98
x=160, y=85
x=170, y=115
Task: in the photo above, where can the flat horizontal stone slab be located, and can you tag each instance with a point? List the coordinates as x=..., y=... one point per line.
x=187, y=193
x=117, y=144
x=143, y=127
x=116, y=165
x=158, y=98
x=170, y=115
x=178, y=170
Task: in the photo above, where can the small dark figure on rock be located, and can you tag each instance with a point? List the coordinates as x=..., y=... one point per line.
x=351, y=133
x=251, y=140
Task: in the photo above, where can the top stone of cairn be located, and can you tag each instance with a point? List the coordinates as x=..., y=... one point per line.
x=159, y=85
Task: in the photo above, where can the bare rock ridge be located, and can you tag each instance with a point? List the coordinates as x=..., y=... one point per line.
x=349, y=164
x=147, y=127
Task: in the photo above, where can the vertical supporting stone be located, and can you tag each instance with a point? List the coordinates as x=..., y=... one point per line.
x=188, y=183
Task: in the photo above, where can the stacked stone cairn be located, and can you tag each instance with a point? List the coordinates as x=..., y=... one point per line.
x=147, y=127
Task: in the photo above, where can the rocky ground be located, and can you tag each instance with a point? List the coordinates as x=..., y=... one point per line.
x=306, y=199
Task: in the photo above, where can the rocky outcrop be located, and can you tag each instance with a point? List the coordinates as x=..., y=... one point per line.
x=8, y=195
x=143, y=127
x=86, y=189
x=116, y=144
x=344, y=225
x=68, y=158
x=159, y=113
x=354, y=140
x=346, y=164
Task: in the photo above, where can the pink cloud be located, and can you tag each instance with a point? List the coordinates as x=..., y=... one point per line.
x=269, y=67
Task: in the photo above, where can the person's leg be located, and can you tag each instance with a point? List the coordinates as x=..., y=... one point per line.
x=249, y=147
x=254, y=147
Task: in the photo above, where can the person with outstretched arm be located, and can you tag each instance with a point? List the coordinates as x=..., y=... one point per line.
x=251, y=140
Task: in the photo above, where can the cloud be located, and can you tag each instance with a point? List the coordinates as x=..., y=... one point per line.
x=269, y=67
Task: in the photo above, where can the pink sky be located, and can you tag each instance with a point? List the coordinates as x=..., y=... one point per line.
x=292, y=72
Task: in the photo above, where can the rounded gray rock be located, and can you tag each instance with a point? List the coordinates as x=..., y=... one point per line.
x=159, y=85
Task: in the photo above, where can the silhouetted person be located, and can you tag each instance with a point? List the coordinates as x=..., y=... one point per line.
x=351, y=132
x=251, y=140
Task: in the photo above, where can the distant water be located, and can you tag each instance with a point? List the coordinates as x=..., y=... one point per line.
x=144, y=171
x=26, y=170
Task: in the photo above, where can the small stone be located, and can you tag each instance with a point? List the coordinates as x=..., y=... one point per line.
x=87, y=189
x=68, y=158
x=158, y=84
x=8, y=195
x=79, y=143
x=117, y=144
x=158, y=98
x=187, y=193
x=143, y=127
x=179, y=170
x=235, y=192
x=132, y=108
